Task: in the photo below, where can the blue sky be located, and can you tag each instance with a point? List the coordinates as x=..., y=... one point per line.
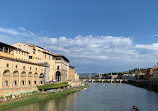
x=96, y=35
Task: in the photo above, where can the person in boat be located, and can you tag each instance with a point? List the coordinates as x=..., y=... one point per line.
x=134, y=108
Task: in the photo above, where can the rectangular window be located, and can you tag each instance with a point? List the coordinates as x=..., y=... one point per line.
x=7, y=65
x=30, y=57
x=58, y=67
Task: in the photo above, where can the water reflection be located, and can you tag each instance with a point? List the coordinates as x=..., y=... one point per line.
x=58, y=104
x=104, y=97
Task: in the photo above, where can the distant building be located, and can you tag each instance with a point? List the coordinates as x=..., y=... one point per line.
x=129, y=76
x=77, y=76
x=149, y=73
x=100, y=76
x=73, y=76
x=113, y=76
x=155, y=74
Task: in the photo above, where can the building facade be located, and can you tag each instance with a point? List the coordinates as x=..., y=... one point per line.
x=61, y=68
x=18, y=75
x=40, y=55
x=150, y=73
x=23, y=66
x=57, y=66
x=73, y=76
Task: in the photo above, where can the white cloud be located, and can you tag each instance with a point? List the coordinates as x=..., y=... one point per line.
x=153, y=46
x=99, y=47
x=85, y=50
x=20, y=31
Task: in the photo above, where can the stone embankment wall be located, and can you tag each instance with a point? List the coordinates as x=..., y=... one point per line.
x=17, y=91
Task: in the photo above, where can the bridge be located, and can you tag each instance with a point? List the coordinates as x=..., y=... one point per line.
x=105, y=80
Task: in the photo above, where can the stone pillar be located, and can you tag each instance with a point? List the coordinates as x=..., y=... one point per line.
x=32, y=80
x=10, y=79
x=8, y=50
x=1, y=81
x=26, y=80
x=3, y=49
x=37, y=79
x=19, y=80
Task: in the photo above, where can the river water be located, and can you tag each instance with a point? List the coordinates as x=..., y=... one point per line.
x=99, y=97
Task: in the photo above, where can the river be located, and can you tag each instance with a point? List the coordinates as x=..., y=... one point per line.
x=99, y=97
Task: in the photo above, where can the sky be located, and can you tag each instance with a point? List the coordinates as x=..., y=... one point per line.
x=95, y=35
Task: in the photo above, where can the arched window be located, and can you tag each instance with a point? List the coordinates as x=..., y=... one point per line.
x=58, y=75
x=6, y=72
x=35, y=74
x=41, y=75
x=30, y=74
x=41, y=82
x=23, y=74
x=15, y=73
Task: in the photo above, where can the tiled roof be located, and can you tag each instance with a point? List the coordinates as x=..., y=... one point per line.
x=62, y=57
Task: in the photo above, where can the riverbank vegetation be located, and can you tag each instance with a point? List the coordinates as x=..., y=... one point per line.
x=51, y=86
x=38, y=97
x=146, y=85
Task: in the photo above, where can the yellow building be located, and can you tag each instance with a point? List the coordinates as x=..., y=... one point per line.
x=23, y=66
x=40, y=55
x=73, y=76
x=61, y=68
x=57, y=65
x=76, y=76
x=16, y=74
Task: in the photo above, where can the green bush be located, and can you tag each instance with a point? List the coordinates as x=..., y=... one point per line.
x=51, y=86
